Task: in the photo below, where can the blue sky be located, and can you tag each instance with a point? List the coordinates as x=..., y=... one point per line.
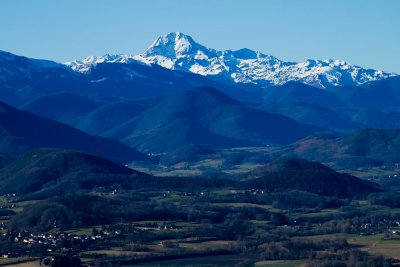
x=362, y=32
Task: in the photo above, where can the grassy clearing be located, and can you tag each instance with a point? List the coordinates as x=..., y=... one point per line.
x=223, y=260
x=374, y=244
x=377, y=245
x=225, y=192
x=317, y=214
x=242, y=204
x=180, y=172
x=83, y=231
x=15, y=262
x=280, y=263
x=160, y=222
x=216, y=244
x=3, y=200
x=242, y=168
x=19, y=206
x=114, y=252
x=260, y=222
x=371, y=172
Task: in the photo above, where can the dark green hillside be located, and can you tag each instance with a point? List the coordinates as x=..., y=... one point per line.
x=43, y=173
x=21, y=131
x=336, y=119
x=5, y=160
x=208, y=117
x=114, y=114
x=49, y=172
x=319, y=116
x=289, y=164
x=313, y=177
x=372, y=118
x=188, y=153
x=374, y=143
x=361, y=148
x=65, y=212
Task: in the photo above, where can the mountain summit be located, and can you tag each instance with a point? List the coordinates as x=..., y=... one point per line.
x=178, y=51
x=175, y=45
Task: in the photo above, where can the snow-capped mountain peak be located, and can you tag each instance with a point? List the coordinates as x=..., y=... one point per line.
x=86, y=64
x=174, y=51
x=178, y=51
x=172, y=45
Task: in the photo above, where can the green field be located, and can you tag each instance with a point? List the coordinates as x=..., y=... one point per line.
x=374, y=244
x=239, y=204
x=223, y=260
x=82, y=231
x=15, y=262
x=19, y=206
x=293, y=263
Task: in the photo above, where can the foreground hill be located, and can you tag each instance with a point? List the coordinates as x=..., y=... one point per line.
x=45, y=173
x=21, y=131
x=206, y=116
x=48, y=172
x=313, y=177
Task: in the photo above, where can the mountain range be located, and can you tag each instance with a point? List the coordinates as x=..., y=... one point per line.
x=202, y=115
x=206, y=116
x=22, y=80
x=178, y=51
x=156, y=107
x=184, y=145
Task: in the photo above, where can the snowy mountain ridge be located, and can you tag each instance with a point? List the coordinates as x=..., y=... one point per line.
x=177, y=51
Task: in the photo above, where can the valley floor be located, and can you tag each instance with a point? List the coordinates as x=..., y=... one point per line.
x=182, y=243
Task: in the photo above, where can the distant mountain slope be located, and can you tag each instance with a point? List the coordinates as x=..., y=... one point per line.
x=58, y=172
x=339, y=119
x=372, y=118
x=295, y=92
x=21, y=131
x=178, y=51
x=206, y=116
x=381, y=95
x=64, y=107
x=88, y=115
x=24, y=78
x=114, y=114
x=333, y=119
x=299, y=174
x=363, y=147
